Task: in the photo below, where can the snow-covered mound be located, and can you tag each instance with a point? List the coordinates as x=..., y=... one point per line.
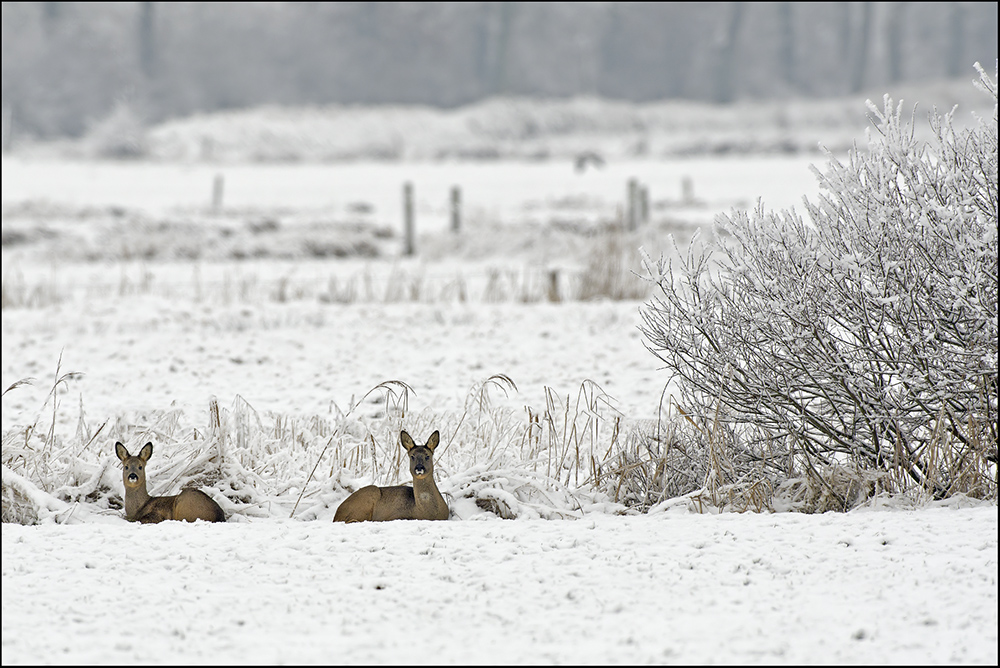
x=518, y=128
x=579, y=128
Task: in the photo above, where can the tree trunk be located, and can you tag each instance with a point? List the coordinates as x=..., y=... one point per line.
x=498, y=16
x=51, y=13
x=786, y=35
x=859, y=48
x=147, y=40
x=725, y=62
x=896, y=15
x=956, y=41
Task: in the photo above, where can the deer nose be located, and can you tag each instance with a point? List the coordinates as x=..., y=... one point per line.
x=133, y=477
x=419, y=470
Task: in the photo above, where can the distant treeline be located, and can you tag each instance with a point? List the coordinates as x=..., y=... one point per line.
x=67, y=65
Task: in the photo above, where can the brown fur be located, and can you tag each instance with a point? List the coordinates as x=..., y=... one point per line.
x=423, y=501
x=189, y=505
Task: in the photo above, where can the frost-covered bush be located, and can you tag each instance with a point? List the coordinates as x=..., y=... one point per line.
x=863, y=334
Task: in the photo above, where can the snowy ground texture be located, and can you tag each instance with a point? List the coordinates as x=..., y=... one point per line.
x=159, y=303
x=875, y=587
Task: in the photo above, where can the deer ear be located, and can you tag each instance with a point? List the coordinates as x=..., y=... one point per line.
x=146, y=452
x=432, y=442
x=407, y=442
x=121, y=451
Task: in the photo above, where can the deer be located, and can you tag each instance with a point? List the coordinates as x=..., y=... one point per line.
x=423, y=501
x=189, y=505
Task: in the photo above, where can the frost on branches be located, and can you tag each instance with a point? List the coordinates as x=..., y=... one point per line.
x=864, y=336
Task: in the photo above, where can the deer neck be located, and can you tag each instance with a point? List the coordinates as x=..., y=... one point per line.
x=135, y=499
x=426, y=496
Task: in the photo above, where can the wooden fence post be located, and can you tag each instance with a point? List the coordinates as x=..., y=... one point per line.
x=644, y=204
x=631, y=212
x=409, y=247
x=217, y=187
x=456, y=209
x=553, y=287
x=687, y=191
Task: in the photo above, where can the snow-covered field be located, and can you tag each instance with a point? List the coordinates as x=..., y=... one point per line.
x=876, y=587
x=226, y=334
x=155, y=335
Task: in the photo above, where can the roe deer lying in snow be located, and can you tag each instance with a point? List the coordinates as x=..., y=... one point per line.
x=189, y=505
x=423, y=501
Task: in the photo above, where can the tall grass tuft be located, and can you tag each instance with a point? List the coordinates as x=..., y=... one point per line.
x=575, y=454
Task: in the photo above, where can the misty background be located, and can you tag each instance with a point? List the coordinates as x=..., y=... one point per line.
x=67, y=66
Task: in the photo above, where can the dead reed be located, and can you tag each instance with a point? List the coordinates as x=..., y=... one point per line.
x=575, y=452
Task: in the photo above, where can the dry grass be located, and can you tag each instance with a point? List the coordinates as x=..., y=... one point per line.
x=553, y=461
x=612, y=266
x=278, y=465
x=565, y=265
x=602, y=279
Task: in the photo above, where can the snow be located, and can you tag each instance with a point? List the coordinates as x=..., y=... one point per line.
x=505, y=191
x=157, y=341
x=298, y=356
x=296, y=360
x=907, y=587
x=514, y=128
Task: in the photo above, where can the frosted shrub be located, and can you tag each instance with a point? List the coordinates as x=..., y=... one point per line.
x=864, y=335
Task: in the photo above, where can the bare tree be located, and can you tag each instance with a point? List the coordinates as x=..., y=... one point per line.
x=860, y=41
x=724, y=46
x=786, y=35
x=895, y=19
x=866, y=335
x=497, y=18
x=66, y=64
x=146, y=39
x=956, y=38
